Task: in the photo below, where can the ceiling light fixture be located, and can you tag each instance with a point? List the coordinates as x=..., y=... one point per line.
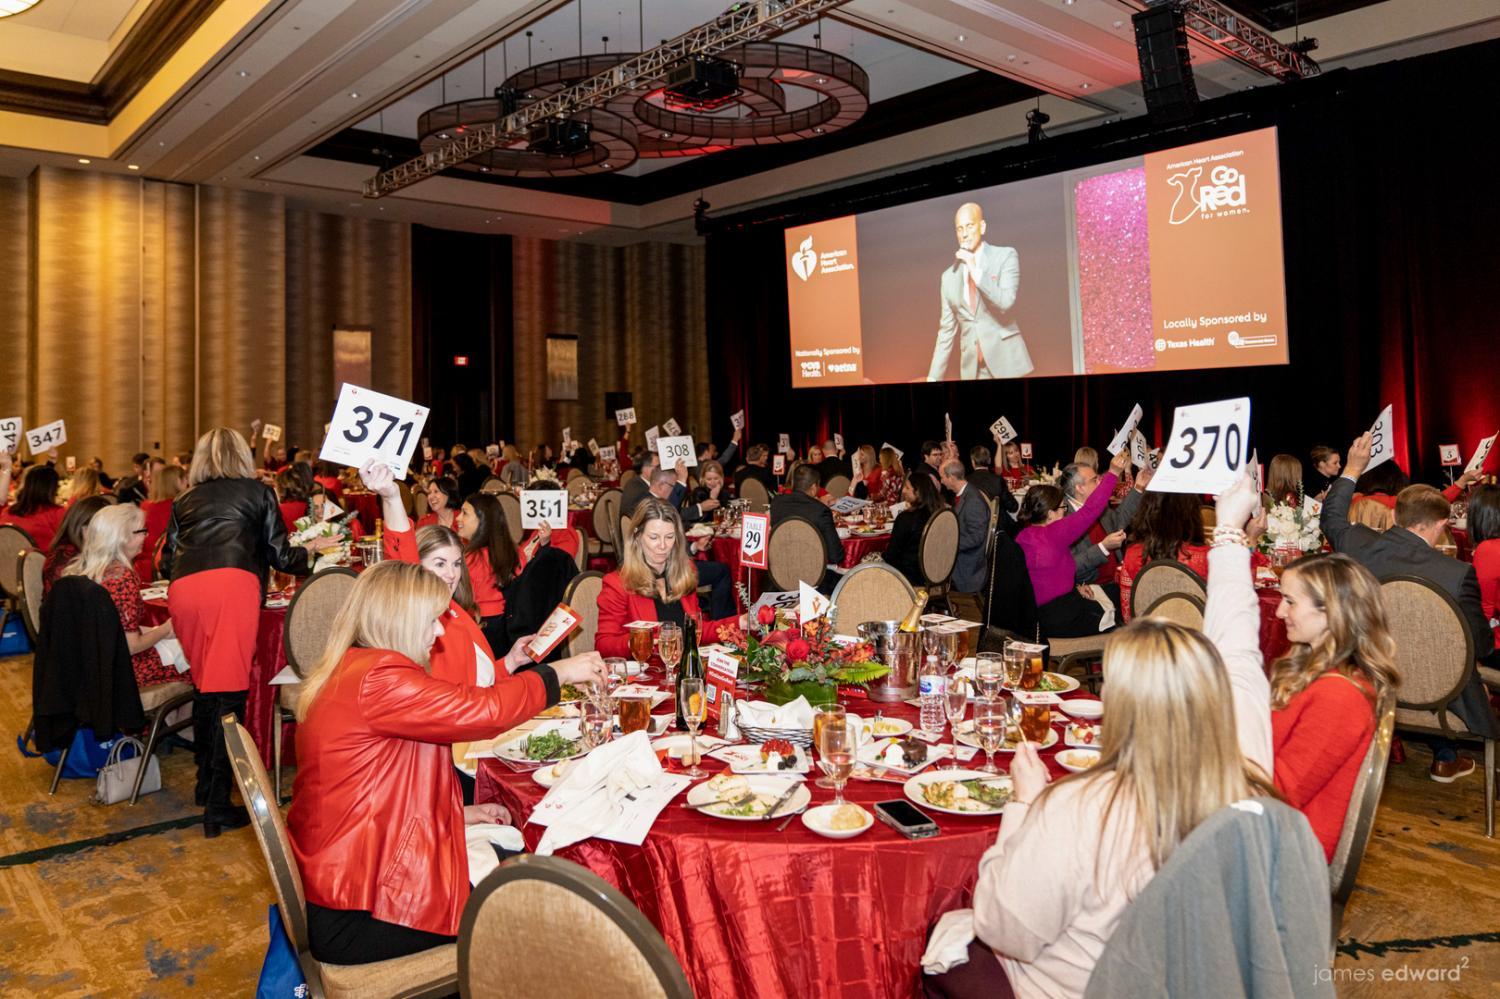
x=354, y=94
x=243, y=73
x=962, y=38
x=9, y=7
x=132, y=166
x=84, y=161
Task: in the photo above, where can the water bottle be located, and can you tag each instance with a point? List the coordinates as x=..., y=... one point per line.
x=932, y=687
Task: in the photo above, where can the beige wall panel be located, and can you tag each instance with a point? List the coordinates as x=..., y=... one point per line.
x=167, y=294
x=15, y=296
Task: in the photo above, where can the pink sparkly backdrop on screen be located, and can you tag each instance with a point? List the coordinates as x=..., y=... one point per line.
x=1114, y=271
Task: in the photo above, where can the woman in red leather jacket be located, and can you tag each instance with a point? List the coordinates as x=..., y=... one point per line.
x=656, y=581
x=377, y=819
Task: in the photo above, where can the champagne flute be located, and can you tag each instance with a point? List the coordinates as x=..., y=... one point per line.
x=824, y=716
x=669, y=647
x=955, y=699
x=694, y=711
x=1015, y=664
x=989, y=674
x=989, y=725
x=836, y=756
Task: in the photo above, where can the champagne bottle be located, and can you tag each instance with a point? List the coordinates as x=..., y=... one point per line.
x=913, y=619
x=692, y=666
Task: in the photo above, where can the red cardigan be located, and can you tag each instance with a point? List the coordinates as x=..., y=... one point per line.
x=1487, y=568
x=453, y=656
x=617, y=608
x=1319, y=740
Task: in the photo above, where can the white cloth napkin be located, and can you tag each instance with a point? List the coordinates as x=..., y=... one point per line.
x=793, y=714
x=591, y=797
x=478, y=838
x=948, y=946
x=170, y=650
x=1098, y=596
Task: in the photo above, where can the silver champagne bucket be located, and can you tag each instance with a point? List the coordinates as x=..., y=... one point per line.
x=901, y=651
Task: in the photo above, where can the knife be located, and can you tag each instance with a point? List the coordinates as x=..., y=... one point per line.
x=790, y=790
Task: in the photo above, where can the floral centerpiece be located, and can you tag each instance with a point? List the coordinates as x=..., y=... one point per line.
x=1289, y=526
x=305, y=529
x=543, y=474
x=792, y=660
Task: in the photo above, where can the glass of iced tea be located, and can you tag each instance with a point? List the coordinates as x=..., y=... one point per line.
x=1036, y=663
x=1036, y=719
x=635, y=713
x=642, y=638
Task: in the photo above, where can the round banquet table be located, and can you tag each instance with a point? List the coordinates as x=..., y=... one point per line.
x=752, y=912
x=582, y=519
x=726, y=549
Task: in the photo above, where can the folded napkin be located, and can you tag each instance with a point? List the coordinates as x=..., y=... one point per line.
x=948, y=946
x=1097, y=594
x=793, y=714
x=481, y=840
x=170, y=650
x=606, y=794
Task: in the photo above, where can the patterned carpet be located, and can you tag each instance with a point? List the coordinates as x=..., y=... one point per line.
x=122, y=901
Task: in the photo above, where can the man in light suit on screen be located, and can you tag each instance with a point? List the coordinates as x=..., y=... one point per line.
x=978, y=294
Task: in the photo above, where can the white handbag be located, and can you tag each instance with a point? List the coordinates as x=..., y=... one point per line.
x=117, y=776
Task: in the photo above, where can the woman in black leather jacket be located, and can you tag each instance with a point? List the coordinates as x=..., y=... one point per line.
x=225, y=531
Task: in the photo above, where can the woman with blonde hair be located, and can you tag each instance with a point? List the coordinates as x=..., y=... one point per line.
x=224, y=533
x=1174, y=695
x=377, y=819
x=111, y=542
x=1324, y=693
x=85, y=483
x=656, y=581
x=166, y=484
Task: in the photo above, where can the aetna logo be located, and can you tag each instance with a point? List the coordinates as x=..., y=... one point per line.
x=805, y=261
x=1224, y=194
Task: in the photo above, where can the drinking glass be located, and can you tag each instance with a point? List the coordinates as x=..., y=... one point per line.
x=694, y=710
x=827, y=714
x=635, y=713
x=640, y=644
x=1036, y=719
x=955, y=699
x=594, y=722
x=989, y=726
x=948, y=643
x=836, y=756
x=618, y=669
x=932, y=642
x=989, y=674
x=669, y=647
x=1015, y=664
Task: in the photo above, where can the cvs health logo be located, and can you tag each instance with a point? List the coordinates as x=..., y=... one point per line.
x=805, y=260
x=1225, y=190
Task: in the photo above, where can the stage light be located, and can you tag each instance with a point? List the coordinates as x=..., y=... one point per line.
x=1035, y=119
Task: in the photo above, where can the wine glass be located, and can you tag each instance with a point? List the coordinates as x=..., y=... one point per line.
x=955, y=699
x=596, y=719
x=948, y=643
x=825, y=715
x=989, y=726
x=989, y=674
x=618, y=669
x=836, y=756
x=694, y=710
x=932, y=643
x=1015, y=664
x=669, y=647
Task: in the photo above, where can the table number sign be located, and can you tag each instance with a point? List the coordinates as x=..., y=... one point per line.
x=271, y=432
x=624, y=416
x=675, y=451
x=737, y=420
x=784, y=443
x=10, y=434
x=672, y=427
x=607, y=453
x=755, y=537
x=1207, y=448
x=778, y=465
x=1003, y=431
x=1123, y=437
x=593, y=447
x=371, y=425
x=652, y=435
x=1382, y=442
x=1476, y=463
x=811, y=604
x=544, y=506
x=848, y=504
x=1026, y=452
x=45, y=438
x=1447, y=452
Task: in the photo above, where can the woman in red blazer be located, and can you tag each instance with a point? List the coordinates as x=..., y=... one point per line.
x=1324, y=693
x=377, y=819
x=1484, y=535
x=656, y=581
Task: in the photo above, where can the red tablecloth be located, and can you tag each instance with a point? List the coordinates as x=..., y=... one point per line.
x=582, y=520
x=726, y=549
x=367, y=505
x=270, y=659
x=752, y=912
x=1461, y=540
x=1273, y=641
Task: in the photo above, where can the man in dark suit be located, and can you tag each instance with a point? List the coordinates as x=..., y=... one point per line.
x=973, y=528
x=980, y=475
x=833, y=463
x=632, y=492
x=756, y=460
x=803, y=502
x=1095, y=555
x=1406, y=549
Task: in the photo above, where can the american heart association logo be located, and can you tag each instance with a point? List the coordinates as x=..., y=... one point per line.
x=804, y=260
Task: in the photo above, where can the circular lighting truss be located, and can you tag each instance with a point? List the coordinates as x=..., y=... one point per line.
x=641, y=124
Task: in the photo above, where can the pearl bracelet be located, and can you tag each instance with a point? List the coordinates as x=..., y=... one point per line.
x=1228, y=536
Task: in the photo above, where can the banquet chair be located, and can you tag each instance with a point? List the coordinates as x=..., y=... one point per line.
x=1185, y=609
x=582, y=594
x=754, y=493
x=159, y=701
x=582, y=558
x=1359, y=820
x=526, y=925
x=573, y=473
x=511, y=504
x=492, y=485
x=796, y=554
x=838, y=486
x=309, y=618
x=938, y=551
x=1083, y=654
x=14, y=543
x=1435, y=658
x=624, y=533
x=578, y=483
x=605, y=516
x=430, y=973
x=871, y=591
x=627, y=475
x=1162, y=577
x=1209, y=515
x=30, y=571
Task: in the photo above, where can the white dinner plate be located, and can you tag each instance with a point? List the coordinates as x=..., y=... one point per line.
x=515, y=751
x=889, y=728
x=913, y=789
x=817, y=820
x=769, y=788
x=1083, y=707
x=547, y=776
x=967, y=737
x=1077, y=760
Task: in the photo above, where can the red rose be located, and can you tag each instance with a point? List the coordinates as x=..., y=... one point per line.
x=797, y=650
x=766, y=615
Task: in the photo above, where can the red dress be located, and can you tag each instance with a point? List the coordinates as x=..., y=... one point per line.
x=1319, y=740
x=158, y=515
x=125, y=590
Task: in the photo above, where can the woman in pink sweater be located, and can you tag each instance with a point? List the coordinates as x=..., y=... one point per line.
x=1323, y=694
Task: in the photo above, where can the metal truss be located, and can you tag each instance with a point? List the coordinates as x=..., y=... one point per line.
x=748, y=21
x=1226, y=31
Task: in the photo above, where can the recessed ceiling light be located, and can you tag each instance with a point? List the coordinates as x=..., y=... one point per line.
x=822, y=79
x=442, y=135
x=132, y=166
x=354, y=94
x=666, y=135
x=255, y=157
x=484, y=169
x=1085, y=86
x=961, y=37
x=84, y=161
x=818, y=130
x=1119, y=24
x=244, y=73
